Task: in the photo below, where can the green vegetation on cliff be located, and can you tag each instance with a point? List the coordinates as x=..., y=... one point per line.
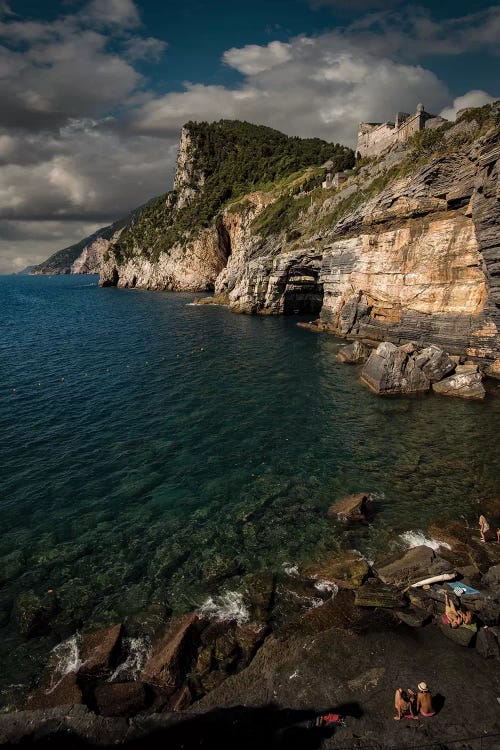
x=234, y=158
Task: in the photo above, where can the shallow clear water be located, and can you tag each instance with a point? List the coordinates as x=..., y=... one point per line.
x=153, y=452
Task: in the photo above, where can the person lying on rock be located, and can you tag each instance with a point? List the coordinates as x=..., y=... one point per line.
x=451, y=612
x=484, y=527
x=403, y=705
x=424, y=700
x=455, y=616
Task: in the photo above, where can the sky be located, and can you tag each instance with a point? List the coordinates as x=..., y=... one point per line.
x=93, y=93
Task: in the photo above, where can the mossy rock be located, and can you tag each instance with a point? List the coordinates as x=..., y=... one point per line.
x=346, y=569
x=33, y=613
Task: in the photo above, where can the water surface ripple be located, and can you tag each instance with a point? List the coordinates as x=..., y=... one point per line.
x=153, y=452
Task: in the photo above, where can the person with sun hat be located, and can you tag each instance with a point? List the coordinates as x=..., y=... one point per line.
x=424, y=700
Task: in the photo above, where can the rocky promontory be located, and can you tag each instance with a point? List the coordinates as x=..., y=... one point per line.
x=354, y=630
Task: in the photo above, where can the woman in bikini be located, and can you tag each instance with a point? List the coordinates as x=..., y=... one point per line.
x=484, y=527
x=424, y=700
x=454, y=617
x=402, y=704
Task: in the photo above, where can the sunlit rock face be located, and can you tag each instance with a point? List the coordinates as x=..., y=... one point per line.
x=420, y=261
x=417, y=259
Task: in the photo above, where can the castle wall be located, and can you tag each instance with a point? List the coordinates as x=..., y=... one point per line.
x=372, y=139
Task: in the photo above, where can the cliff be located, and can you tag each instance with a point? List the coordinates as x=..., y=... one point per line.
x=407, y=249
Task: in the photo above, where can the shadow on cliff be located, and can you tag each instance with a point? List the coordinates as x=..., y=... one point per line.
x=223, y=728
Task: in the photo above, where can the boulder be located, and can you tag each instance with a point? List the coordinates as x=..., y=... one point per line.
x=347, y=570
x=180, y=699
x=415, y=565
x=173, y=653
x=462, y=385
x=355, y=353
x=248, y=638
x=484, y=606
x=461, y=636
x=377, y=594
x=493, y=371
x=120, y=698
x=449, y=532
x=487, y=644
x=391, y=369
x=34, y=613
x=260, y=589
x=49, y=695
x=415, y=618
x=99, y=650
x=358, y=507
x=491, y=579
x=434, y=363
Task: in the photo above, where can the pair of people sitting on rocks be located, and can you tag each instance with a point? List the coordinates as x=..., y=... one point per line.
x=409, y=704
x=455, y=616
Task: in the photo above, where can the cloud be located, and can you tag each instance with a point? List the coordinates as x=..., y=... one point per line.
x=112, y=13
x=144, y=48
x=475, y=98
x=357, y=6
x=322, y=86
x=253, y=59
x=83, y=140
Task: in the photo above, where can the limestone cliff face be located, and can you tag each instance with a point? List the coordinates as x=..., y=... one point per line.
x=400, y=252
x=188, y=178
x=91, y=259
x=418, y=261
x=190, y=268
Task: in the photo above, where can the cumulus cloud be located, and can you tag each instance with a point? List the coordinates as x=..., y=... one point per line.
x=475, y=98
x=112, y=12
x=83, y=140
x=358, y=6
x=322, y=86
x=253, y=59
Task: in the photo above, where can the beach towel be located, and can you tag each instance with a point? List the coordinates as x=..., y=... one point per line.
x=460, y=588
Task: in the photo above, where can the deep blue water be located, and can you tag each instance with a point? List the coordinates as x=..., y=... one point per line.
x=154, y=452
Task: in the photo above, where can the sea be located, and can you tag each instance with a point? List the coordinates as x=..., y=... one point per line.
x=155, y=452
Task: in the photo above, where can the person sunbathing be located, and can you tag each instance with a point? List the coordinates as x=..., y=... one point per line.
x=484, y=528
x=451, y=612
x=402, y=704
x=455, y=616
x=424, y=700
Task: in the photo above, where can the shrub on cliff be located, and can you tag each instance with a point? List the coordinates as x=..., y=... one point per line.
x=235, y=158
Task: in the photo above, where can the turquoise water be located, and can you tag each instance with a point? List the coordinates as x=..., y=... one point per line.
x=154, y=452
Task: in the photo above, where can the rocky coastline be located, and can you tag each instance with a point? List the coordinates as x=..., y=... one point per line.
x=351, y=631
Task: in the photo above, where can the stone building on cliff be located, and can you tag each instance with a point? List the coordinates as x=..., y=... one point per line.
x=376, y=137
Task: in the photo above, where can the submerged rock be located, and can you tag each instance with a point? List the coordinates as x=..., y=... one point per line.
x=355, y=353
x=34, y=613
x=356, y=507
x=347, y=570
x=466, y=384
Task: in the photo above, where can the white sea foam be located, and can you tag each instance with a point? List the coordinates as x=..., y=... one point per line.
x=226, y=607
x=138, y=651
x=417, y=538
x=64, y=659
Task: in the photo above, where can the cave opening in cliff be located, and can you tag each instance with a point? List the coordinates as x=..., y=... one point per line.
x=303, y=295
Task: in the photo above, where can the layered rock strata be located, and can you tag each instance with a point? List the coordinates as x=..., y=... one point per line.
x=401, y=252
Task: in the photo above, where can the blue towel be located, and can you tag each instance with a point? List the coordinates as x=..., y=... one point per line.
x=460, y=588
